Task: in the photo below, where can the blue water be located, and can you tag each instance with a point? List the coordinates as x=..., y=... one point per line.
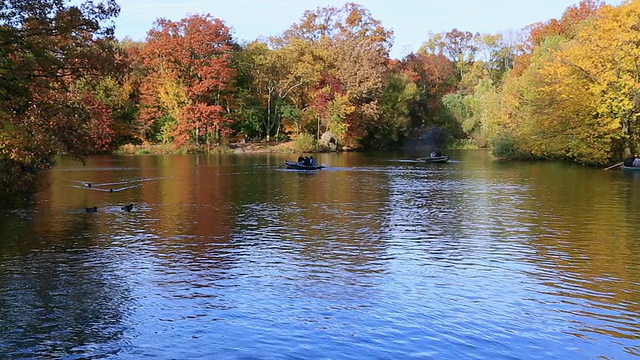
x=235, y=257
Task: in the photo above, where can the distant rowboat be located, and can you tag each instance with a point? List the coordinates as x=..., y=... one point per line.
x=300, y=166
x=436, y=159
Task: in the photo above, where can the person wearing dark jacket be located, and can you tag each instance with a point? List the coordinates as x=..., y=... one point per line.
x=628, y=162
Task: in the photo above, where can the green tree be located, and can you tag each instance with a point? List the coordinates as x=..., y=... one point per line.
x=395, y=114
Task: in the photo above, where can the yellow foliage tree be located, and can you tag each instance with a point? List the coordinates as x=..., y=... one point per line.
x=579, y=98
x=590, y=86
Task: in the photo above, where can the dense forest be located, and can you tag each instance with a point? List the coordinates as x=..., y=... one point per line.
x=564, y=89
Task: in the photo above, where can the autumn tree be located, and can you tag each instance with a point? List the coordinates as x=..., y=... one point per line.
x=276, y=73
x=356, y=48
x=497, y=54
x=477, y=65
x=117, y=94
x=592, y=84
x=458, y=46
x=578, y=99
x=189, y=76
x=395, y=107
x=46, y=47
x=121, y=92
x=566, y=26
x=434, y=76
x=248, y=115
x=498, y=89
x=330, y=105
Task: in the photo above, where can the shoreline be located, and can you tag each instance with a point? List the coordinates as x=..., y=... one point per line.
x=238, y=148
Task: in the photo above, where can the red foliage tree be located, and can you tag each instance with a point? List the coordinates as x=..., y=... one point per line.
x=434, y=76
x=195, y=54
x=46, y=48
x=566, y=26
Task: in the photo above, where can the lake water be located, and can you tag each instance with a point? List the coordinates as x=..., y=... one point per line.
x=235, y=257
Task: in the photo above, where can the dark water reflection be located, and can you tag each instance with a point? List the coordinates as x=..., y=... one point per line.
x=232, y=256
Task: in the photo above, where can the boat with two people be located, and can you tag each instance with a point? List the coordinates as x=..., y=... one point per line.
x=632, y=163
x=303, y=163
x=434, y=157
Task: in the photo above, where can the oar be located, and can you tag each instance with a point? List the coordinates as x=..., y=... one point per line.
x=612, y=166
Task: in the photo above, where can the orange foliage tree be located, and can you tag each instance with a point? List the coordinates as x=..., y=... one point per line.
x=565, y=27
x=46, y=47
x=189, y=74
x=434, y=76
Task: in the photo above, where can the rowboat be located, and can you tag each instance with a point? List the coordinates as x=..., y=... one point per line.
x=630, y=168
x=435, y=159
x=300, y=166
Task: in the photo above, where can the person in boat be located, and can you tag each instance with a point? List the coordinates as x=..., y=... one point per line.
x=300, y=159
x=312, y=161
x=636, y=161
x=306, y=161
x=628, y=162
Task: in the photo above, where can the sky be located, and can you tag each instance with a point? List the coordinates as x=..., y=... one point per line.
x=410, y=20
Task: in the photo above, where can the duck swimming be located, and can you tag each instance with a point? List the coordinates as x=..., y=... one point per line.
x=127, y=207
x=91, y=209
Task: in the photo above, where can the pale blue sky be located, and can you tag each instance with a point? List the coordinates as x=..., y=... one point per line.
x=411, y=20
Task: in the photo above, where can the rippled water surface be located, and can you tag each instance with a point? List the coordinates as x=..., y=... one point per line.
x=235, y=257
